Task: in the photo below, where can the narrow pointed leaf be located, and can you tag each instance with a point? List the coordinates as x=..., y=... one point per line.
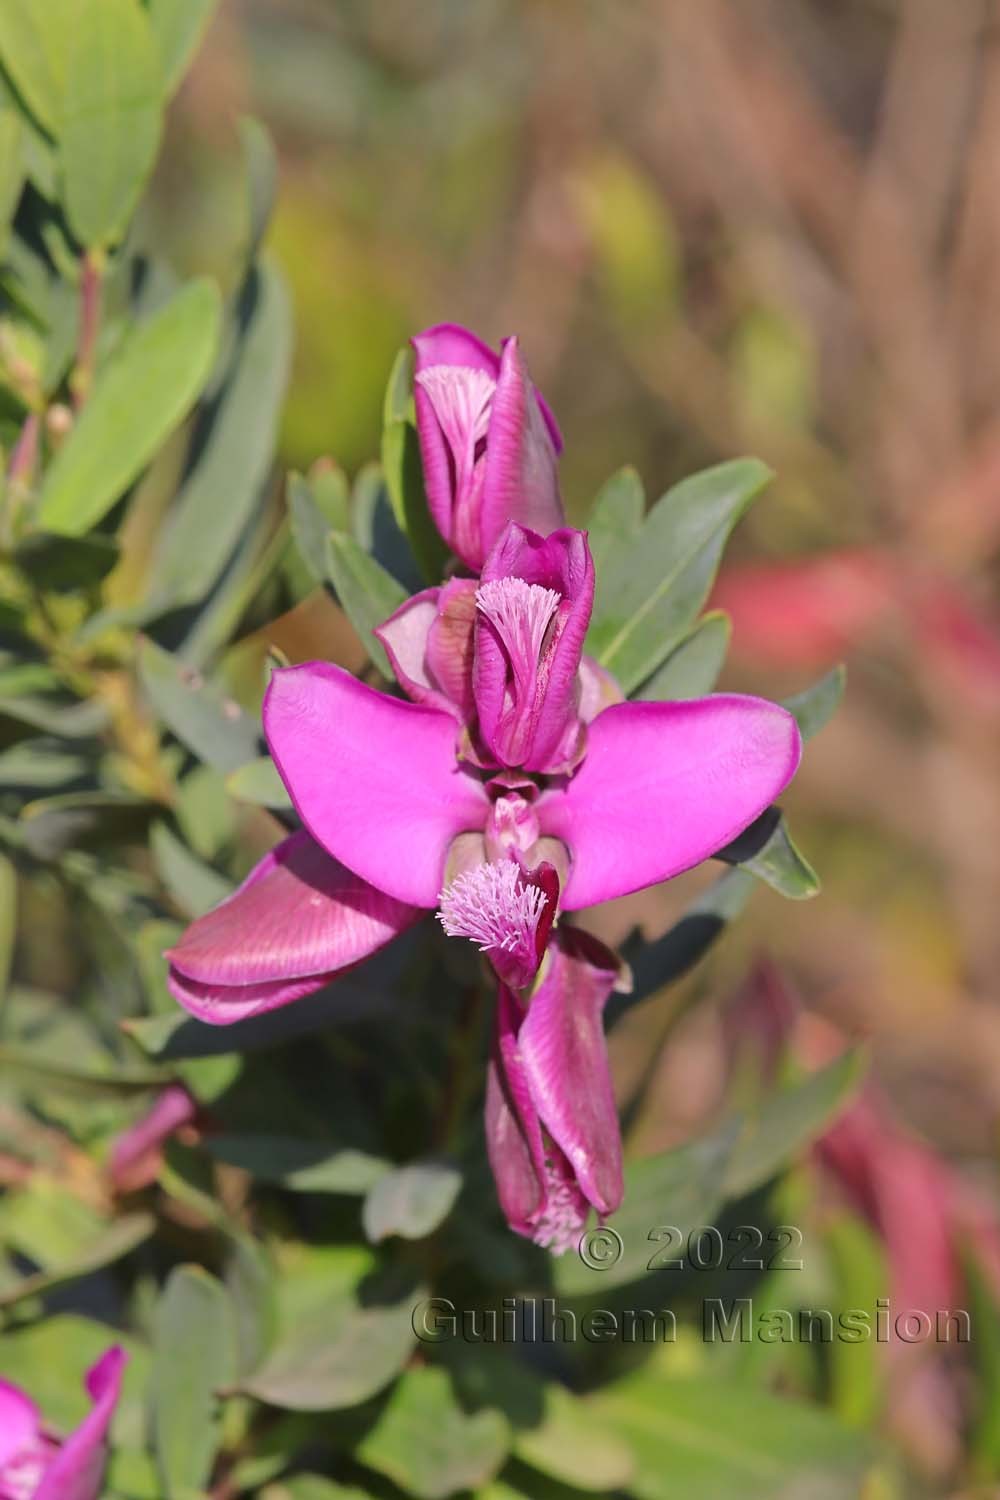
x=367, y=592
x=692, y=668
x=815, y=707
x=654, y=587
x=788, y=1121
x=211, y=726
x=235, y=447
x=765, y=850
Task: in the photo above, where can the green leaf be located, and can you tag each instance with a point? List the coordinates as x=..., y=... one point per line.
x=40, y=765
x=35, y=44
x=178, y=26
x=683, y=1185
x=614, y=523
x=262, y=177
x=862, y=1275
x=790, y=1120
x=66, y=564
x=428, y=1445
x=193, y=886
x=74, y=1077
x=410, y=1201
x=138, y=398
x=815, y=707
x=665, y=959
x=12, y=169
x=194, y=1355
x=691, y=669
x=367, y=592
x=234, y=444
x=708, y=1440
x=655, y=583
x=343, y=1354
x=111, y=117
x=104, y=1249
x=573, y=1445
x=317, y=506
x=210, y=725
x=259, y=783
x=765, y=849
x=303, y=1166
x=403, y=469
x=84, y=820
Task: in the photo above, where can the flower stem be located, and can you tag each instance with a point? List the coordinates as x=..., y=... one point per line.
x=91, y=286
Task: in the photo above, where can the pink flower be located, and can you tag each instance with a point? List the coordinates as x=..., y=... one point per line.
x=513, y=785
x=551, y=1123
x=36, y=1466
x=488, y=441
x=136, y=1153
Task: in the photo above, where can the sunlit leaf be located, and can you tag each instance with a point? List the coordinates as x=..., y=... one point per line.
x=177, y=27
x=111, y=116
x=137, y=399
x=656, y=580
x=35, y=45
x=691, y=669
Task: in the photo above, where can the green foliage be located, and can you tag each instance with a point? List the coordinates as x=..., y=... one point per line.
x=655, y=573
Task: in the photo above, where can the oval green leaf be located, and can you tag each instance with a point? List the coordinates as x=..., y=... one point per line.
x=138, y=398
x=112, y=115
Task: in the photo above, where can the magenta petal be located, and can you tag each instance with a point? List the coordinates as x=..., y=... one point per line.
x=19, y=1422
x=456, y=517
x=376, y=781
x=513, y=1134
x=404, y=636
x=139, y=1145
x=222, y=1004
x=565, y=1062
x=77, y=1470
x=526, y=682
x=298, y=920
x=521, y=482
x=664, y=786
x=451, y=344
x=429, y=644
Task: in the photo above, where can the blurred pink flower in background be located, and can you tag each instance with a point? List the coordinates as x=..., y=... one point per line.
x=136, y=1154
